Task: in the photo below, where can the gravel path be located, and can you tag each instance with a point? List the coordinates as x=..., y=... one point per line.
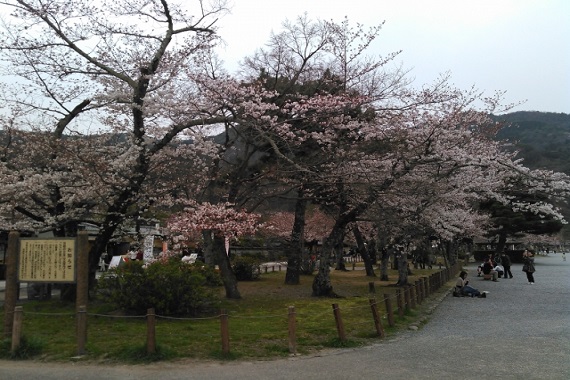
x=519, y=331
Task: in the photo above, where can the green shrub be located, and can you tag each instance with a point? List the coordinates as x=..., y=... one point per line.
x=246, y=268
x=172, y=288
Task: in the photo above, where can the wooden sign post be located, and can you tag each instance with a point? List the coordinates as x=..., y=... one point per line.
x=54, y=260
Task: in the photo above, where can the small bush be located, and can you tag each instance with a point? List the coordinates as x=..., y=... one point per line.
x=308, y=267
x=246, y=268
x=172, y=288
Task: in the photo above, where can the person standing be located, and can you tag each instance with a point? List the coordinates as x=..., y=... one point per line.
x=506, y=261
x=563, y=256
x=528, y=266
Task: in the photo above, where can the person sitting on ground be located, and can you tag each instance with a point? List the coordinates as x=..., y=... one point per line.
x=463, y=288
x=499, y=269
x=488, y=268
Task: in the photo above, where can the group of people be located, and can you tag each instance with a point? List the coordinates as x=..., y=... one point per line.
x=495, y=270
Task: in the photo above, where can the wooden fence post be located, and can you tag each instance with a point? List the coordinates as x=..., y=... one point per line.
x=81, y=329
x=224, y=327
x=400, y=302
x=150, y=331
x=406, y=291
x=419, y=292
x=82, y=266
x=12, y=289
x=376, y=317
x=389, y=310
x=371, y=288
x=413, y=296
x=17, y=328
x=339, y=324
x=292, y=330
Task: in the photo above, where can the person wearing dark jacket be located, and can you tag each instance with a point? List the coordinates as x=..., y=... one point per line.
x=528, y=266
x=488, y=268
x=506, y=261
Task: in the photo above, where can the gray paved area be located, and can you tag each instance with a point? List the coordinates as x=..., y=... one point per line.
x=519, y=331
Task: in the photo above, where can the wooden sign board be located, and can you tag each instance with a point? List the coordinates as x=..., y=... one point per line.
x=47, y=260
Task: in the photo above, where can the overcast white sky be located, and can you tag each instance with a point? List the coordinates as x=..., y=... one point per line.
x=519, y=46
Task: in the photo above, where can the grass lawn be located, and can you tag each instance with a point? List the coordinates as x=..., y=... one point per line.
x=258, y=323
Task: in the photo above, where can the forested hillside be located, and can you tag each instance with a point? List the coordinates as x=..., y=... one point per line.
x=543, y=141
x=542, y=138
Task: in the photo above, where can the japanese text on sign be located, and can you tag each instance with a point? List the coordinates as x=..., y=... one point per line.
x=47, y=260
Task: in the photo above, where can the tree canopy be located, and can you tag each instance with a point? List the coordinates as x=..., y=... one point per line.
x=111, y=113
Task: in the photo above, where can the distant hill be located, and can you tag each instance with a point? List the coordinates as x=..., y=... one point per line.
x=543, y=138
x=543, y=142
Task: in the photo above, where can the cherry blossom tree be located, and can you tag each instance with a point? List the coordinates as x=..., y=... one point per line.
x=315, y=228
x=530, y=209
x=224, y=222
x=317, y=85
x=111, y=101
x=125, y=76
x=365, y=107
x=451, y=167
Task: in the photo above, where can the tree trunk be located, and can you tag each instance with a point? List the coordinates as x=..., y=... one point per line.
x=228, y=277
x=449, y=253
x=322, y=286
x=501, y=244
x=208, y=249
x=339, y=254
x=373, y=251
x=295, y=254
x=402, y=258
x=368, y=264
x=384, y=262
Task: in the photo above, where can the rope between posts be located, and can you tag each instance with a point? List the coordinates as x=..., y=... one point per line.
x=48, y=314
x=257, y=317
x=117, y=316
x=187, y=319
x=367, y=306
x=315, y=315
